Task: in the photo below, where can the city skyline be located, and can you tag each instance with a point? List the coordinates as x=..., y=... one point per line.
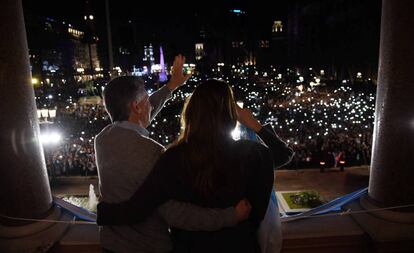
x=342, y=35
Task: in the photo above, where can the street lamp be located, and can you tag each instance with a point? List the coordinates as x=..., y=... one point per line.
x=50, y=138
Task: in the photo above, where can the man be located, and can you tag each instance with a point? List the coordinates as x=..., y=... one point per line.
x=125, y=155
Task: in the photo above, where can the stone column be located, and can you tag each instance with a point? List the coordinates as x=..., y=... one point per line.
x=392, y=168
x=392, y=171
x=24, y=186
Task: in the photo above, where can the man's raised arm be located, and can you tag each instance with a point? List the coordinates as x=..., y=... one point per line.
x=159, y=97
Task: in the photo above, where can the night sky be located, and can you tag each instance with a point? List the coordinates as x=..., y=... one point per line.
x=151, y=10
x=319, y=31
x=156, y=17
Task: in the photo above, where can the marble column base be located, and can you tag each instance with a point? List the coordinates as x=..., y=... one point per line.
x=389, y=231
x=34, y=237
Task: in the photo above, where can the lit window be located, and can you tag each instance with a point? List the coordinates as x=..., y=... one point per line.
x=199, y=51
x=237, y=44
x=277, y=26
x=199, y=46
x=264, y=44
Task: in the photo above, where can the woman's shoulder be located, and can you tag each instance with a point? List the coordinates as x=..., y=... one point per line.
x=250, y=149
x=175, y=148
x=249, y=145
x=253, y=156
x=173, y=152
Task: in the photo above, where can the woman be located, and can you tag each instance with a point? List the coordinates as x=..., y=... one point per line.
x=208, y=168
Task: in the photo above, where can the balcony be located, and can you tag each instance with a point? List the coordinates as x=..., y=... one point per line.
x=307, y=235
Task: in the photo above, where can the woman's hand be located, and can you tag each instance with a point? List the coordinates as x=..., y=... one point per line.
x=178, y=78
x=245, y=117
x=242, y=210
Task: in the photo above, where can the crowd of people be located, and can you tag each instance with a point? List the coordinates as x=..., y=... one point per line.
x=326, y=121
x=75, y=154
x=321, y=126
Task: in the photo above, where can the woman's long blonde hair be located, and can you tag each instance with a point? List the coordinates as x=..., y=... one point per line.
x=207, y=119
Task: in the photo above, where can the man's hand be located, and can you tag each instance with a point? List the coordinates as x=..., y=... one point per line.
x=242, y=210
x=177, y=77
x=246, y=117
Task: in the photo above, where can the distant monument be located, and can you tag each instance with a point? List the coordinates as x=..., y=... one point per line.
x=163, y=74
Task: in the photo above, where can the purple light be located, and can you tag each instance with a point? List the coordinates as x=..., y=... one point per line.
x=162, y=75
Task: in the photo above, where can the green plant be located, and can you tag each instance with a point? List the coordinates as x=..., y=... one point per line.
x=306, y=198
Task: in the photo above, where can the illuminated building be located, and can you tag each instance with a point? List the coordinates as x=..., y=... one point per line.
x=238, y=12
x=59, y=48
x=199, y=51
x=278, y=45
x=238, y=47
x=264, y=44
x=149, y=55
x=85, y=54
x=90, y=39
x=343, y=45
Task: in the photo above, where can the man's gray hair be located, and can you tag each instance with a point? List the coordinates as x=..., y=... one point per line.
x=119, y=93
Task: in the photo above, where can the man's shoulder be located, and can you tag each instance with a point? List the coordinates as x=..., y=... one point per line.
x=113, y=133
x=150, y=142
x=103, y=132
